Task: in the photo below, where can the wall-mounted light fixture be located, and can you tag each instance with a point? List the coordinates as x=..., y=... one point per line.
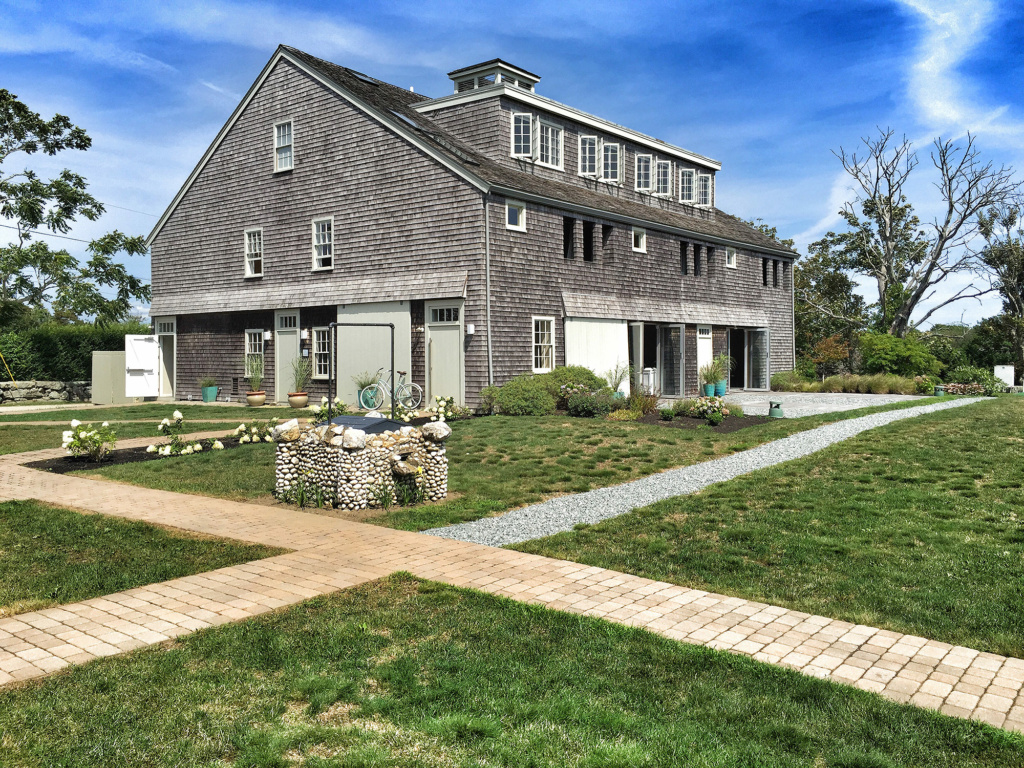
x=470, y=329
x=304, y=334
x=268, y=335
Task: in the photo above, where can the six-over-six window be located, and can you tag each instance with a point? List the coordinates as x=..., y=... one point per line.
x=323, y=243
x=543, y=344
x=321, y=353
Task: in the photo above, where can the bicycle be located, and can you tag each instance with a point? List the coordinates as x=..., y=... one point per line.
x=408, y=393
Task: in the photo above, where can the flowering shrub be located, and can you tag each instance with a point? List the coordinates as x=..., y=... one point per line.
x=174, y=430
x=443, y=408
x=319, y=412
x=86, y=440
x=707, y=408
x=589, y=404
x=402, y=413
x=255, y=431
x=568, y=390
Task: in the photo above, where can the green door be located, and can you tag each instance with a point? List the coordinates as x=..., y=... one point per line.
x=286, y=349
x=444, y=350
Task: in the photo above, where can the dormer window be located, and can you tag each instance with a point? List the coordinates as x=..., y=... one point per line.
x=643, y=173
x=663, y=178
x=550, y=153
x=687, y=185
x=610, y=163
x=283, y=156
x=588, y=155
x=522, y=135
x=704, y=189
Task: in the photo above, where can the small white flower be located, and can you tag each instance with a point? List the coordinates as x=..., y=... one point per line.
x=323, y=400
x=244, y=439
x=254, y=431
x=240, y=428
x=217, y=445
x=151, y=449
x=75, y=423
x=268, y=439
x=197, y=447
x=187, y=450
x=106, y=423
x=68, y=434
x=177, y=416
x=165, y=451
x=166, y=422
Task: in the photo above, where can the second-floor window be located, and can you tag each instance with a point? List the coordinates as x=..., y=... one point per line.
x=253, y=253
x=284, y=159
x=643, y=173
x=550, y=145
x=663, y=178
x=610, y=163
x=588, y=155
x=704, y=189
x=687, y=191
x=730, y=258
x=522, y=135
x=323, y=244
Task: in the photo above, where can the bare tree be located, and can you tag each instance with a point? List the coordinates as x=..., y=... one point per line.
x=887, y=242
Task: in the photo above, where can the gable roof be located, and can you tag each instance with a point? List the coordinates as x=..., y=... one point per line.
x=393, y=107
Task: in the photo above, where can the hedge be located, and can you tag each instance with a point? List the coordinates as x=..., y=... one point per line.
x=61, y=352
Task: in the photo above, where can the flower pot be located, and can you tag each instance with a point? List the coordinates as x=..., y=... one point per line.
x=720, y=387
x=709, y=390
x=210, y=394
x=298, y=399
x=256, y=399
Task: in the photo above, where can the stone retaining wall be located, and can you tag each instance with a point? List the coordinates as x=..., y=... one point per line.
x=356, y=470
x=18, y=391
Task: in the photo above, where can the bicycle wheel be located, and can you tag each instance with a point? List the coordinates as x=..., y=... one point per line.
x=410, y=395
x=373, y=397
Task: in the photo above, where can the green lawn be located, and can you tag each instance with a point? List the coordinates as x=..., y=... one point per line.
x=50, y=556
x=157, y=411
x=408, y=673
x=916, y=527
x=15, y=438
x=497, y=463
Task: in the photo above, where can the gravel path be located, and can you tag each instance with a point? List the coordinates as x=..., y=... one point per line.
x=562, y=513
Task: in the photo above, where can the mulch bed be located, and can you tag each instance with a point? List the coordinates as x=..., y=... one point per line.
x=65, y=464
x=731, y=424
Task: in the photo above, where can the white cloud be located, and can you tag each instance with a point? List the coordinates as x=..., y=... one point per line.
x=50, y=39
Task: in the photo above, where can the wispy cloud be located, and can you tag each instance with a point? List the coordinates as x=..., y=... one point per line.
x=222, y=91
x=50, y=39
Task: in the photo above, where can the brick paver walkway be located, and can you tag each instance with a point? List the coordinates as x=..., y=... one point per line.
x=331, y=554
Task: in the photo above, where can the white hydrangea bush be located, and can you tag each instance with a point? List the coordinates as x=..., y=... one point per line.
x=85, y=440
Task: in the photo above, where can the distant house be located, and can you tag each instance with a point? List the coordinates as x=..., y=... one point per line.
x=499, y=231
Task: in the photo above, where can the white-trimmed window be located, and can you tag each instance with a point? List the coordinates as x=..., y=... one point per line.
x=444, y=315
x=550, y=145
x=253, y=346
x=704, y=189
x=663, y=178
x=588, y=155
x=643, y=173
x=730, y=258
x=687, y=186
x=610, y=163
x=284, y=157
x=543, y=344
x=515, y=216
x=522, y=134
x=254, y=252
x=321, y=353
x=639, y=240
x=323, y=243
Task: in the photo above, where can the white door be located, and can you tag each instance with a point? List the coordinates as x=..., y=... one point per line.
x=444, y=350
x=286, y=349
x=705, y=350
x=142, y=366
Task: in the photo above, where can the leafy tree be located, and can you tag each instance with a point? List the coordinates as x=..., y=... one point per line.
x=828, y=354
x=1004, y=256
x=885, y=353
x=32, y=274
x=826, y=302
x=886, y=241
x=991, y=342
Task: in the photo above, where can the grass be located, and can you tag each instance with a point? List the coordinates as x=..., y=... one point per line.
x=16, y=438
x=915, y=527
x=52, y=556
x=497, y=463
x=155, y=412
x=403, y=672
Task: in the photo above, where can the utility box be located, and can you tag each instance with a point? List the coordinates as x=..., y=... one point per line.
x=1005, y=374
x=108, y=378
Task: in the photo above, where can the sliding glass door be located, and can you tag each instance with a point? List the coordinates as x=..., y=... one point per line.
x=757, y=358
x=671, y=344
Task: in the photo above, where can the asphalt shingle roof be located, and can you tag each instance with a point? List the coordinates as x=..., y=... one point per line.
x=387, y=98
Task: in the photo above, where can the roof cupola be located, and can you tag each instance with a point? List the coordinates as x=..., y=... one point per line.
x=493, y=72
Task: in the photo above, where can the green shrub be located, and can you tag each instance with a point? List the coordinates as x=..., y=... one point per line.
x=715, y=418
x=791, y=381
x=489, y=399
x=525, y=396
x=968, y=374
x=667, y=414
x=590, y=404
x=882, y=353
x=62, y=352
x=570, y=376
x=624, y=415
x=925, y=385
x=683, y=407
x=642, y=402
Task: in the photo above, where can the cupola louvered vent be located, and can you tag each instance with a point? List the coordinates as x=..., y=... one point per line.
x=493, y=72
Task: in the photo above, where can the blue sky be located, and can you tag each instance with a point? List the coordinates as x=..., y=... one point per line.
x=769, y=89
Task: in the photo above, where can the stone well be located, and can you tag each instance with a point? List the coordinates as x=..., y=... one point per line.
x=352, y=467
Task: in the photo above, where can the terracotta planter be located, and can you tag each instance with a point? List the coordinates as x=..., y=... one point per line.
x=298, y=399
x=256, y=399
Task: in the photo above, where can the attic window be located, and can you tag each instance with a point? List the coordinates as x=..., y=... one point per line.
x=522, y=134
x=704, y=189
x=284, y=159
x=465, y=85
x=663, y=180
x=643, y=173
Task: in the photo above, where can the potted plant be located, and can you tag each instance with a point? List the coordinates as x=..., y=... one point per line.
x=254, y=376
x=363, y=382
x=208, y=385
x=709, y=375
x=726, y=363
x=302, y=372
